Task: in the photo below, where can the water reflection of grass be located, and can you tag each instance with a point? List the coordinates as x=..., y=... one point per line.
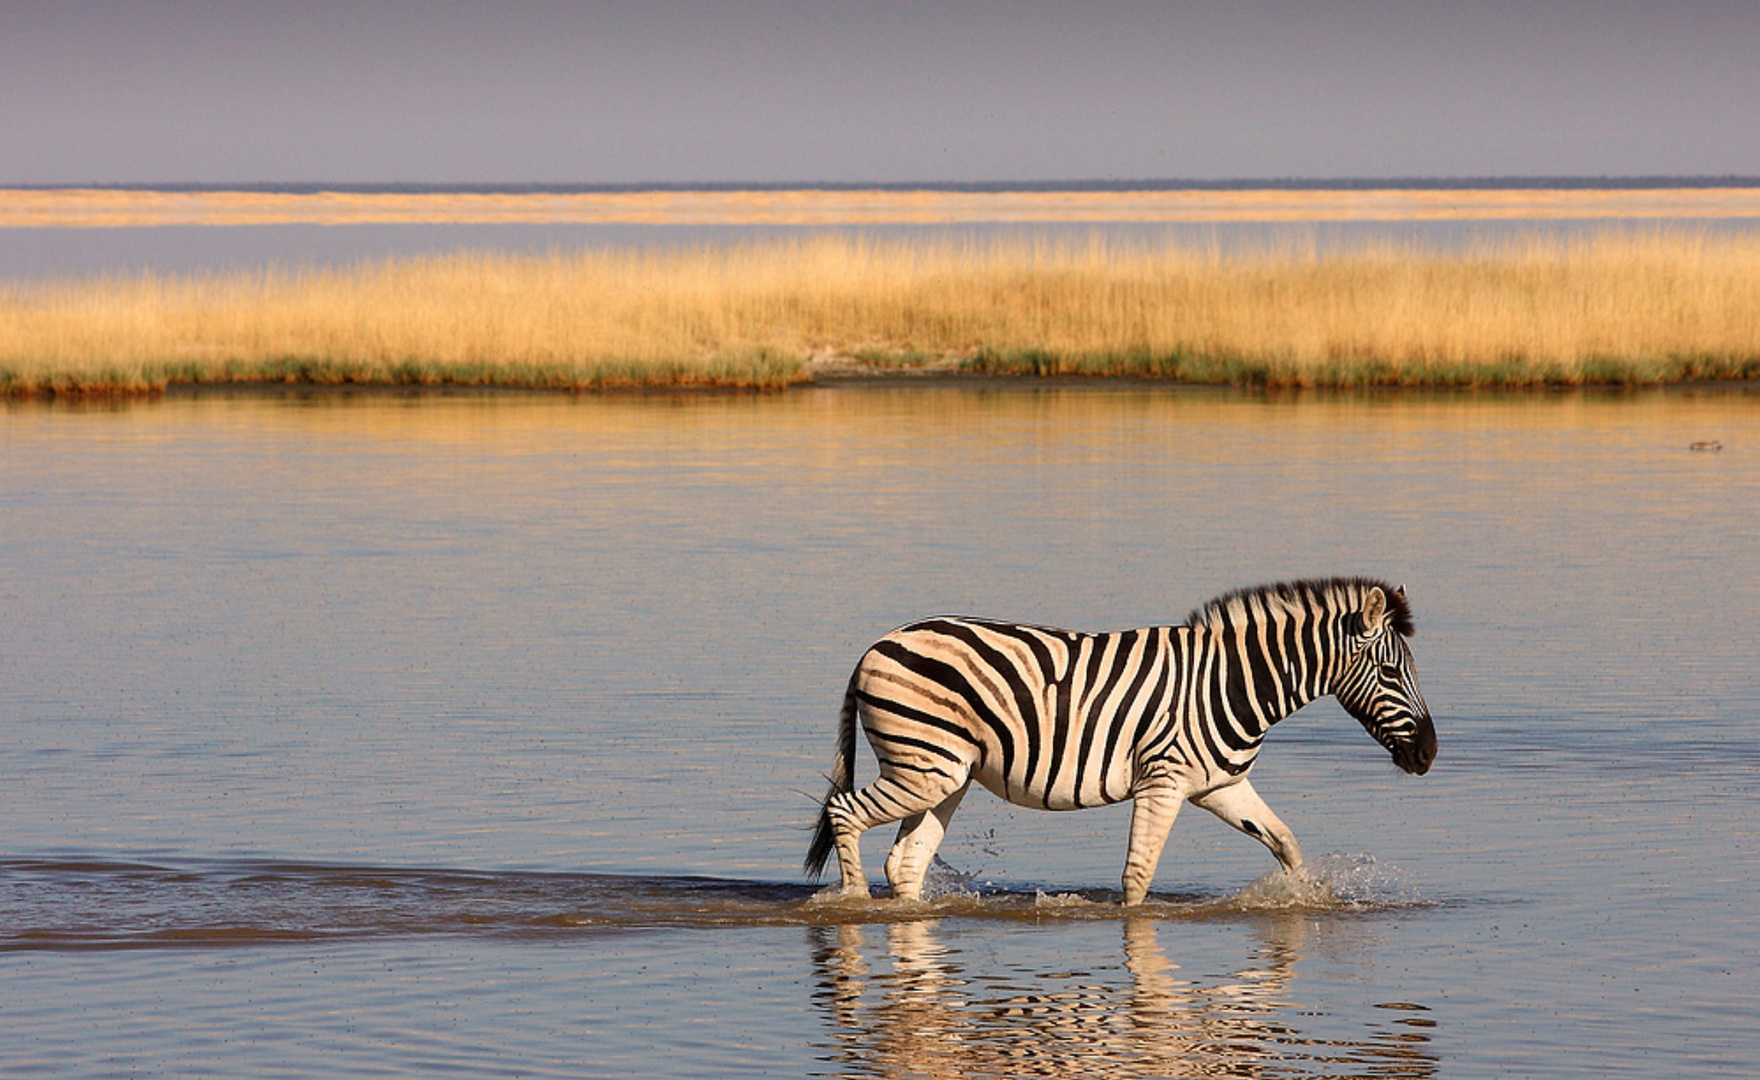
x=1622, y=307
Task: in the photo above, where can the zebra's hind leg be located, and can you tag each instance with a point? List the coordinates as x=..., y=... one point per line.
x=918, y=838
x=1240, y=806
x=886, y=799
x=846, y=831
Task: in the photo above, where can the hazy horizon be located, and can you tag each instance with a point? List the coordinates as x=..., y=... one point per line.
x=344, y=92
x=1171, y=184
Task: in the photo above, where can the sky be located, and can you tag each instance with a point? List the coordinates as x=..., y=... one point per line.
x=343, y=91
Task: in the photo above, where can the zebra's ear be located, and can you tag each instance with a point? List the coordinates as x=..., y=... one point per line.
x=1374, y=611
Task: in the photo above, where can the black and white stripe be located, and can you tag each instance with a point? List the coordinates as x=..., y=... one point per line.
x=1061, y=720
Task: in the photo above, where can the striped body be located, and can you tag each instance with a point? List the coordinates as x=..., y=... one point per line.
x=1059, y=720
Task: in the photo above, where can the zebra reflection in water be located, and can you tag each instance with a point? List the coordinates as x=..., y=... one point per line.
x=1058, y=720
x=898, y=1002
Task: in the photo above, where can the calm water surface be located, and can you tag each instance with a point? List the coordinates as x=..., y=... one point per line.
x=388, y=734
x=27, y=253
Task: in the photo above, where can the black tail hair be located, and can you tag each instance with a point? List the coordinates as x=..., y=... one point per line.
x=842, y=779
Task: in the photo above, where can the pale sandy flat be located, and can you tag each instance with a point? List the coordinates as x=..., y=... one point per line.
x=75, y=208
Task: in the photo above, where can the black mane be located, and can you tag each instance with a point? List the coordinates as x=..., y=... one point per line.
x=1397, y=607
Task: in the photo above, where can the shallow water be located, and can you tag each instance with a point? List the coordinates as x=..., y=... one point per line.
x=27, y=253
x=108, y=904
x=396, y=733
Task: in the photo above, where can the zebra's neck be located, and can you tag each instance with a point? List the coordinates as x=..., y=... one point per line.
x=1260, y=674
x=1274, y=648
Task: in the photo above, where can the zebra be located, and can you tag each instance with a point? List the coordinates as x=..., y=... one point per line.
x=1059, y=720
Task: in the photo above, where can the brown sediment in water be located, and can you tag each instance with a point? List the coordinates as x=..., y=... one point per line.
x=84, y=904
x=1623, y=307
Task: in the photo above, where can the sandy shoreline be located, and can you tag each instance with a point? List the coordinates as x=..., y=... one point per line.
x=105, y=208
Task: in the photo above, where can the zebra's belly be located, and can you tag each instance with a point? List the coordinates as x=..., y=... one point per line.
x=1060, y=796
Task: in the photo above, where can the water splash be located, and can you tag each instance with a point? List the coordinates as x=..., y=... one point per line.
x=1332, y=882
x=1063, y=903
x=945, y=880
x=942, y=882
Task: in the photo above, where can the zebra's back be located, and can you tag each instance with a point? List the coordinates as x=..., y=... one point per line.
x=1043, y=717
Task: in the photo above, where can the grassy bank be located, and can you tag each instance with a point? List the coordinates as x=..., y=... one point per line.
x=1621, y=307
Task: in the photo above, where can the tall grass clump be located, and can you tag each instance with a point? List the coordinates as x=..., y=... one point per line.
x=1620, y=307
x=579, y=322
x=1632, y=307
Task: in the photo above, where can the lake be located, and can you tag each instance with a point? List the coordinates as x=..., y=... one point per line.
x=361, y=733
x=32, y=253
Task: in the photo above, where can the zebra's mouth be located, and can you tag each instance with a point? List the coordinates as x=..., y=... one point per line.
x=1415, y=756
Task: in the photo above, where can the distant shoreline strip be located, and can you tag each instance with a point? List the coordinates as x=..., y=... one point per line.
x=1654, y=182
x=115, y=208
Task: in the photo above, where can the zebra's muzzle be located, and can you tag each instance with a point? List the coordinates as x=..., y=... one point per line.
x=1414, y=755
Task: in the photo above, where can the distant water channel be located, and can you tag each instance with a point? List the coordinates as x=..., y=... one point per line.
x=358, y=733
x=36, y=253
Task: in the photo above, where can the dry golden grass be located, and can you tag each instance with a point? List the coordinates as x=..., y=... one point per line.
x=1636, y=307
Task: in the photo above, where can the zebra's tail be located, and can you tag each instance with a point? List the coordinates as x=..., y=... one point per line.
x=842, y=779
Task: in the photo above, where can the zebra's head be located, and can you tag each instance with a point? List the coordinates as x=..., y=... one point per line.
x=1379, y=682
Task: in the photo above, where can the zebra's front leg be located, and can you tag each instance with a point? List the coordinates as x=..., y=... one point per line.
x=1240, y=806
x=918, y=838
x=1153, y=809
